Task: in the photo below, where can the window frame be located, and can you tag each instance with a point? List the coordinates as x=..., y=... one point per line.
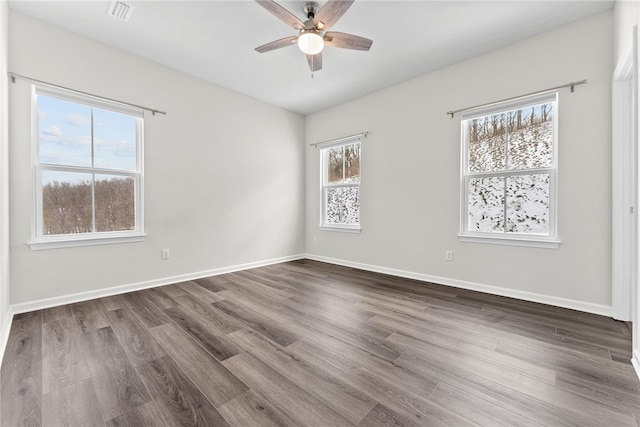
x=41, y=241
x=324, y=186
x=549, y=240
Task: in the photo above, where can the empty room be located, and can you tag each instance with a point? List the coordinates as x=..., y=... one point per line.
x=319, y=213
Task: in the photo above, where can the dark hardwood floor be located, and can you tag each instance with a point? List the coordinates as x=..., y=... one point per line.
x=307, y=343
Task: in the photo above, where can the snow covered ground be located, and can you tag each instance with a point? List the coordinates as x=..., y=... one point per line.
x=519, y=201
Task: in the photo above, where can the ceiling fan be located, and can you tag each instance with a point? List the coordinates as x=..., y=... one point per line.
x=313, y=35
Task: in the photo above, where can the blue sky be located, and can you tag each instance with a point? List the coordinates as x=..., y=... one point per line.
x=64, y=136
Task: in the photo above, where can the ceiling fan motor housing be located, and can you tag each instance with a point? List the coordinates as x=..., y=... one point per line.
x=310, y=9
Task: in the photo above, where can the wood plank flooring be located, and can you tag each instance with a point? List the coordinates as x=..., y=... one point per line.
x=311, y=344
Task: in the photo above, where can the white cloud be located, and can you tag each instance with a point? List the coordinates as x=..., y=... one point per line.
x=77, y=120
x=52, y=131
x=62, y=141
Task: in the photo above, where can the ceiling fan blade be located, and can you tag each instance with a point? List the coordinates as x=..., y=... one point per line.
x=330, y=13
x=347, y=41
x=277, y=44
x=281, y=13
x=315, y=62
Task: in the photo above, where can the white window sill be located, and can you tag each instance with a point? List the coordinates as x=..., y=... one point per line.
x=341, y=228
x=525, y=241
x=93, y=240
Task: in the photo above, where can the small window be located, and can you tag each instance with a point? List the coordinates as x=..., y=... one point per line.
x=87, y=170
x=509, y=173
x=340, y=192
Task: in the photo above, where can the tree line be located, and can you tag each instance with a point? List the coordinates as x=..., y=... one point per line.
x=529, y=144
x=494, y=125
x=68, y=208
x=344, y=163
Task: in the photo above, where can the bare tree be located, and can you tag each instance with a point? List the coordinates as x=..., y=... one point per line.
x=67, y=208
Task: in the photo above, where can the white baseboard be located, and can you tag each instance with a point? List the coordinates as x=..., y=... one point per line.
x=5, y=328
x=635, y=361
x=587, y=307
x=84, y=296
x=100, y=293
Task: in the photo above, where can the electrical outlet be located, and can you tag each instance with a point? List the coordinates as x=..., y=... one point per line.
x=315, y=239
x=165, y=254
x=448, y=255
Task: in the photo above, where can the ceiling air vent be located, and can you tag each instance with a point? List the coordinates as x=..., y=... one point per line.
x=121, y=10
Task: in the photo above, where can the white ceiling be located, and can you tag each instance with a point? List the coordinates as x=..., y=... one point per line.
x=215, y=40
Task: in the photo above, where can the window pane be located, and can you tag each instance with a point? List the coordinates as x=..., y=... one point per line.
x=343, y=164
x=531, y=137
x=66, y=203
x=352, y=163
x=486, y=204
x=114, y=140
x=528, y=204
x=343, y=205
x=486, y=147
x=115, y=203
x=335, y=165
x=64, y=132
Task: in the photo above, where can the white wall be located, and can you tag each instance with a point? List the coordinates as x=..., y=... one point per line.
x=410, y=172
x=215, y=214
x=224, y=172
x=5, y=314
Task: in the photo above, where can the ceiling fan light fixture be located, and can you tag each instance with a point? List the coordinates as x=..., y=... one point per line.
x=310, y=42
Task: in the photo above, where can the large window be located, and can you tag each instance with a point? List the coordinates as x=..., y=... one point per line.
x=509, y=172
x=87, y=170
x=340, y=192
